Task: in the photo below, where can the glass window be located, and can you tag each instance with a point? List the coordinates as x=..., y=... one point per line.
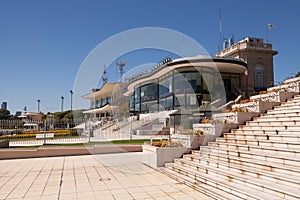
x=131, y=102
x=109, y=100
x=259, y=77
x=98, y=103
x=179, y=100
x=149, y=92
x=137, y=107
x=166, y=87
x=137, y=95
x=185, y=82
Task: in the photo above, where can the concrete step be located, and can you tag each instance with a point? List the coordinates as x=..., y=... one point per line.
x=262, y=143
x=263, y=136
x=213, y=190
x=293, y=153
x=220, y=183
x=287, y=107
x=293, y=100
x=277, y=132
x=289, y=111
x=277, y=118
x=205, y=164
x=286, y=158
x=274, y=123
x=283, y=114
x=265, y=189
x=270, y=127
x=263, y=166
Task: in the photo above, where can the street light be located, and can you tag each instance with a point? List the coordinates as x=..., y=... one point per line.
x=62, y=104
x=39, y=102
x=71, y=93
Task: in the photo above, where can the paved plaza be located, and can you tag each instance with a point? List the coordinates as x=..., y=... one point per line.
x=107, y=176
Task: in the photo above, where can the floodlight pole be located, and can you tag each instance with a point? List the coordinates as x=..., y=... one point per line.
x=121, y=65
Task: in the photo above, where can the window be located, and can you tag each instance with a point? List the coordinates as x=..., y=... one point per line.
x=165, y=87
x=259, y=77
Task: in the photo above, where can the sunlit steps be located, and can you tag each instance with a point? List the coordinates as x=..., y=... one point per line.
x=263, y=136
x=245, y=187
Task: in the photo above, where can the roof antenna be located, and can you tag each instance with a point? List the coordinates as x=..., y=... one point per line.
x=104, y=77
x=220, y=25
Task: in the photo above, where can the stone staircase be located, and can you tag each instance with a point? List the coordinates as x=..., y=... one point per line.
x=258, y=160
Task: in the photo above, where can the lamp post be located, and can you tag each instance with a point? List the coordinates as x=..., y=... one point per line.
x=62, y=104
x=39, y=102
x=71, y=94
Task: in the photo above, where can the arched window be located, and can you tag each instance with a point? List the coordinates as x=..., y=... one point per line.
x=259, y=77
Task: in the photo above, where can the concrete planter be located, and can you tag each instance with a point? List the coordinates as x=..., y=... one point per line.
x=278, y=96
x=288, y=87
x=257, y=106
x=209, y=129
x=190, y=141
x=157, y=156
x=213, y=130
x=235, y=117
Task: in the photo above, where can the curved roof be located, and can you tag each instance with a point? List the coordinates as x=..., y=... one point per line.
x=229, y=65
x=105, y=91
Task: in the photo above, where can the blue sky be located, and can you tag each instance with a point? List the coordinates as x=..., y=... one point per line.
x=43, y=43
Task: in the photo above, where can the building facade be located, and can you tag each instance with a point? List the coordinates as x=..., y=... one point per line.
x=186, y=83
x=101, y=100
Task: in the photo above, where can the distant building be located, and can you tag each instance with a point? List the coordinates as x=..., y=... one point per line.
x=259, y=58
x=18, y=113
x=31, y=120
x=4, y=106
x=101, y=100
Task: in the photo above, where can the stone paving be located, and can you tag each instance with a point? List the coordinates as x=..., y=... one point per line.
x=107, y=176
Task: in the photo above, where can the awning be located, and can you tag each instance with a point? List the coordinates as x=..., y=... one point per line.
x=104, y=109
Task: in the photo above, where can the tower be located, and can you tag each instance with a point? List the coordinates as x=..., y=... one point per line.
x=121, y=65
x=104, y=77
x=259, y=58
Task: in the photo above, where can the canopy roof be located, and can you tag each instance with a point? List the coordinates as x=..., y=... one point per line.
x=105, y=91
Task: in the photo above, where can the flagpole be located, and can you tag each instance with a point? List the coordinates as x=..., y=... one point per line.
x=267, y=33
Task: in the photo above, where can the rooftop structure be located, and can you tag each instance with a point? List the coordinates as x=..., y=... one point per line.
x=259, y=58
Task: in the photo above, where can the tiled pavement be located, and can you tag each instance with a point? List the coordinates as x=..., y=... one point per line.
x=106, y=176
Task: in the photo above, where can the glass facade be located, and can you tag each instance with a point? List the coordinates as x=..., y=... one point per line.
x=185, y=87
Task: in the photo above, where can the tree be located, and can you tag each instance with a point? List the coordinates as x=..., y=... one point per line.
x=4, y=114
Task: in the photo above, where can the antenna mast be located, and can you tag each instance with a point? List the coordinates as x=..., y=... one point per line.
x=220, y=25
x=121, y=65
x=104, y=77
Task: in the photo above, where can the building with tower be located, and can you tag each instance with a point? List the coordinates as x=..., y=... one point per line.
x=259, y=58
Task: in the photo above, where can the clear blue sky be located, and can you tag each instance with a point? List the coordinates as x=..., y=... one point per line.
x=43, y=43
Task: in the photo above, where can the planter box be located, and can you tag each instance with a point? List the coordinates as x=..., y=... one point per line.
x=288, y=87
x=209, y=129
x=235, y=117
x=213, y=130
x=257, y=106
x=157, y=156
x=190, y=141
x=278, y=96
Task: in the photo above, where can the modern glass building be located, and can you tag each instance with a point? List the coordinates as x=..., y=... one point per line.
x=186, y=83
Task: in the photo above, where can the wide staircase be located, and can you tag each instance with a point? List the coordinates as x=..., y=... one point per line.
x=259, y=160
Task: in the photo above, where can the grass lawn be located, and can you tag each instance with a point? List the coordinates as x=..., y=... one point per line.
x=140, y=141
